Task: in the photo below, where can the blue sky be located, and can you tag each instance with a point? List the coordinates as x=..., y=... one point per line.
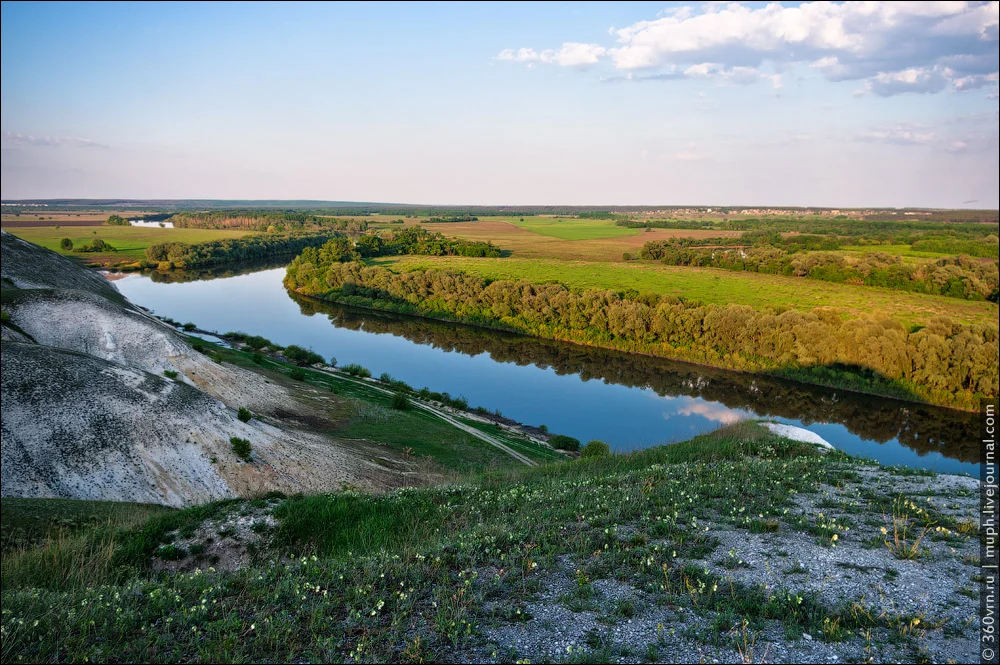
x=835, y=104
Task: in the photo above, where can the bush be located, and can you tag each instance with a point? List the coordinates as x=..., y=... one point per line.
x=244, y=414
x=66, y=244
x=257, y=358
x=563, y=442
x=595, y=448
x=355, y=369
x=400, y=402
x=301, y=356
x=333, y=361
x=198, y=346
x=189, y=326
x=170, y=374
x=240, y=446
x=297, y=374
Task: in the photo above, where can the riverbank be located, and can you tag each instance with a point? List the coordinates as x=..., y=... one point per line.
x=841, y=378
x=738, y=546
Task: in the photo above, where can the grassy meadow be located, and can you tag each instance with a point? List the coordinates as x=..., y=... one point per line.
x=649, y=556
x=130, y=242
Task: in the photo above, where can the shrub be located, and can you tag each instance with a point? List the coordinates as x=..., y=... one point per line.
x=189, y=326
x=66, y=244
x=240, y=446
x=244, y=414
x=301, y=356
x=297, y=374
x=595, y=448
x=333, y=361
x=257, y=358
x=400, y=402
x=198, y=346
x=170, y=374
x=355, y=369
x=563, y=442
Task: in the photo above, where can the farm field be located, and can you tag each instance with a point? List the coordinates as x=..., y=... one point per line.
x=574, y=229
x=524, y=242
x=129, y=241
x=714, y=286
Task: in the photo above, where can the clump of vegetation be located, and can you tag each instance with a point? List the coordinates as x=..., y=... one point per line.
x=563, y=442
x=189, y=326
x=117, y=220
x=170, y=374
x=300, y=356
x=244, y=414
x=95, y=245
x=595, y=448
x=400, y=402
x=255, y=342
x=297, y=374
x=355, y=369
x=241, y=447
x=66, y=244
x=198, y=346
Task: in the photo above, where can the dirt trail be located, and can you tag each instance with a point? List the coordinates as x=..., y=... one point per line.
x=445, y=417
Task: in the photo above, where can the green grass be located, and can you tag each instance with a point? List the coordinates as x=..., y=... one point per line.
x=416, y=574
x=129, y=241
x=365, y=413
x=33, y=521
x=715, y=286
x=568, y=228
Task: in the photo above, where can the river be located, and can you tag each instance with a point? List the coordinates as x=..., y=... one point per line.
x=627, y=400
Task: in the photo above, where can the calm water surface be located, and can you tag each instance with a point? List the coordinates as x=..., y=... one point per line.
x=629, y=401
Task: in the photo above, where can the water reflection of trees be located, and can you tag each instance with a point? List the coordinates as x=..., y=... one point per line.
x=920, y=427
x=230, y=270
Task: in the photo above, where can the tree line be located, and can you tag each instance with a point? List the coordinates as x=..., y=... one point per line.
x=957, y=277
x=945, y=363
x=265, y=221
x=413, y=240
x=218, y=252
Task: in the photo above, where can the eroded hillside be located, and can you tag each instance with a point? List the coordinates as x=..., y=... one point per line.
x=88, y=412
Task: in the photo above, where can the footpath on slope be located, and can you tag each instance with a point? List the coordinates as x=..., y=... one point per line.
x=440, y=414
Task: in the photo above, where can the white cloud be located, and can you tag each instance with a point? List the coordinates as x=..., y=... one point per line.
x=18, y=139
x=713, y=411
x=895, y=47
x=917, y=79
x=902, y=134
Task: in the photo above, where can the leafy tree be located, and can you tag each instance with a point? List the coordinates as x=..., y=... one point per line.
x=66, y=244
x=595, y=448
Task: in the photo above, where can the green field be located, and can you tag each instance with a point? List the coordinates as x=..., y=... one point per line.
x=716, y=286
x=570, y=228
x=129, y=241
x=895, y=250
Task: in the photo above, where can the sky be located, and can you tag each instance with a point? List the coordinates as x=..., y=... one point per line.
x=837, y=104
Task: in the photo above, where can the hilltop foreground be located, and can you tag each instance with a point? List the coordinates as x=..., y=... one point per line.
x=736, y=546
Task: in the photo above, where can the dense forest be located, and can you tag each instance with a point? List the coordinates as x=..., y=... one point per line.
x=958, y=277
x=265, y=220
x=946, y=362
x=414, y=240
x=248, y=248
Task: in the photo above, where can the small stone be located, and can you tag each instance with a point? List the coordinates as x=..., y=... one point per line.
x=807, y=636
